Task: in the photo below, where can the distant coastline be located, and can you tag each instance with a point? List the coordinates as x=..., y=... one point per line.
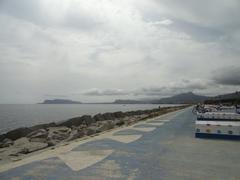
x=184, y=98
x=60, y=101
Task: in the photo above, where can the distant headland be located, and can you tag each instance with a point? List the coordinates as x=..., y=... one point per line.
x=60, y=101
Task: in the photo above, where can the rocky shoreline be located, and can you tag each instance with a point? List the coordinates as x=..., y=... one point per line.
x=26, y=140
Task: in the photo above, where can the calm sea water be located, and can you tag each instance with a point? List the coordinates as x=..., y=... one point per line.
x=15, y=116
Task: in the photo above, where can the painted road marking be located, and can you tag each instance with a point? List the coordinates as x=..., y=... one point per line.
x=159, y=120
x=144, y=129
x=164, y=120
x=125, y=138
x=78, y=160
x=155, y=123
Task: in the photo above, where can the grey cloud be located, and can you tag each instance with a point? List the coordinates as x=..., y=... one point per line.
x=200, y=33
x=65, y=46
x=106, y=92
x=161, y=91
x=81, y=21
x=152, y=91
x=172, y=89
x=24, y=9
x=184, y=86
x=38, y=13
x=206, y=21
x=227, y=76
x=213, y=13
x=55, y=96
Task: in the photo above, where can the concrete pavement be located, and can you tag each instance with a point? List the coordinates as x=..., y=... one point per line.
x=162, y=148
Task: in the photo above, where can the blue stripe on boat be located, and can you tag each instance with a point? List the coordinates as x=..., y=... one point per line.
x=217, y=136
x=216, y=119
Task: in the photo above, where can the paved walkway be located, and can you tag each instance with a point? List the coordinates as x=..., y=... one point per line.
x=162, y=148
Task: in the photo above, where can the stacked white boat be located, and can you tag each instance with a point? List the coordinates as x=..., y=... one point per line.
x=215, y=122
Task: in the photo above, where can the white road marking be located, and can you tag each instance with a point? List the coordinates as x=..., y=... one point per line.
x=155, y=123
x=78, y=160
x=125, y=138
x=160, y=120
x=166, y=120
x=144, y=129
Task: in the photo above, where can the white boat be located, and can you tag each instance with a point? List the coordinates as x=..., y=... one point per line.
x=213, y=122
x=218, y=116
x=218, y=129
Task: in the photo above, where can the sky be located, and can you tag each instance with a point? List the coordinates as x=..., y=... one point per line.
x=102, y=50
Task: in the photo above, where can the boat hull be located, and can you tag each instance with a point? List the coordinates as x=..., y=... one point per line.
x=217, y=136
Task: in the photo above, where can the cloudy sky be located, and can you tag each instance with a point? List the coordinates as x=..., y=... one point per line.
x=101, y=50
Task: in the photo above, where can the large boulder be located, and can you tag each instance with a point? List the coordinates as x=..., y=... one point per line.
x=88, y=119
x=24, y=146
x=24, y=131
x=119, y=122
x=119, y=114
x=43, y=126
x=77, y=121
x=130, y=113
x=6, y=143
x=103, y=117
x=139, y=112
x=91, y=130
x=57, y=134
x=131, y=120
x=21, y=141
x=40, y=133
x=106, y=125
x=98, y=117
x=108, y=116
x=18, y=133
x=83, y=126
x=2, y=137
x=40, y=140
x=75, y=134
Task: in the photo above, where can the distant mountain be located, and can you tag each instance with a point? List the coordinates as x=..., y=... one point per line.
x=128, y=101
x=231, y=98
x=184, y=98
x=228, y=96
x=60, y=101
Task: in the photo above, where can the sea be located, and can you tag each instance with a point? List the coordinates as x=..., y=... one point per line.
x=13, y=116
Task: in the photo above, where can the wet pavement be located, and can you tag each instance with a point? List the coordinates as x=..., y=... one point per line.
x=163, y=148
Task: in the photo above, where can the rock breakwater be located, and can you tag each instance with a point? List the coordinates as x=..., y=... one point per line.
x=29, y=139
